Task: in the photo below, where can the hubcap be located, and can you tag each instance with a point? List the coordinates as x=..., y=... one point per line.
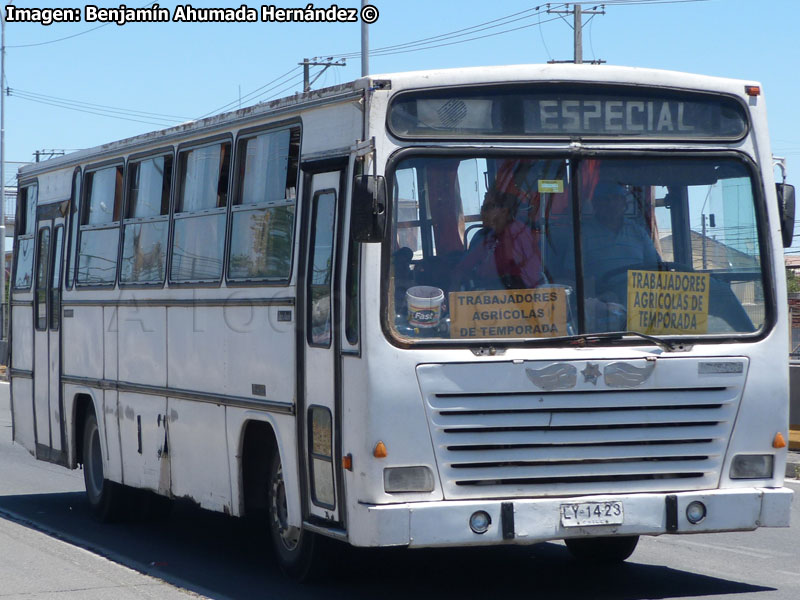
x=289, y=536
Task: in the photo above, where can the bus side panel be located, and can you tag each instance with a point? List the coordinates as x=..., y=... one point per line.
x=113, y=466
x=22, y=400
x=333, y=127
x=110, y=337
x=22, y=338
x=142, y=439
x=83, y=342
x=22, y=387
x=270, y=357
x=197, y=350
x=198, y=453
x=143, y=345
x=202, y=342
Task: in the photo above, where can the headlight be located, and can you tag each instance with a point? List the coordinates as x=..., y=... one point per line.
x=752, y=466
x=407, y=479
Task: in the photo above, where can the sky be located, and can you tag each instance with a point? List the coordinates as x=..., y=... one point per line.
x=154, y=75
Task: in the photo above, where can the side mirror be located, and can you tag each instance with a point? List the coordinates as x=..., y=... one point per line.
x=786, y=208
x=368, y=210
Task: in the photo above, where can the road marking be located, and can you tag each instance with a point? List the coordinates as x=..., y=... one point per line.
x=746, y=551
x=786, y=573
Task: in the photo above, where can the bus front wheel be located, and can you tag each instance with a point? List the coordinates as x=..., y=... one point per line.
x=605, y=550
x=105, y=497
x=298, y=552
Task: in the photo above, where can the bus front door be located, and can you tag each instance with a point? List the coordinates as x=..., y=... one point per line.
x=319, y=417
x=47, y=402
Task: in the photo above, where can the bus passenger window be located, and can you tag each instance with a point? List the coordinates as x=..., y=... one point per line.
x=262, y=231
x=26, y=225
x=199, y=240
x=146, y=225
x=73, y=226
x=97, y=260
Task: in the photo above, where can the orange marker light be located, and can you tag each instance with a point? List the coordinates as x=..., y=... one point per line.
x=779, y=441
x=752, y=90
x=380, y=450
x=347, y=462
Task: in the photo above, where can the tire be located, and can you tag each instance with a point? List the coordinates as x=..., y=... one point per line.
x=299, y=553
x=106, y=498
x=602, y=550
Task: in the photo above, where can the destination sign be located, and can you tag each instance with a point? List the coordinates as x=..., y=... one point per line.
x=567, y=110
x=615, y=116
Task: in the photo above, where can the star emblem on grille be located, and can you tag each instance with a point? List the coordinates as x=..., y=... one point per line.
x=591, y=373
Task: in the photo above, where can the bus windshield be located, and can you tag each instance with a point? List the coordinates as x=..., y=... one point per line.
x=518, y=247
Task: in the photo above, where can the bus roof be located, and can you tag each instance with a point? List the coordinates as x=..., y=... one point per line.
x=400, y=81
x=566, y=72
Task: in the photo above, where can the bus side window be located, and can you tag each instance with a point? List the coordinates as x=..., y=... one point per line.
x=99, y=230
x=264, y=207
x=200, y=213
x=26, y=215
x=73, y=226
x=146, y=225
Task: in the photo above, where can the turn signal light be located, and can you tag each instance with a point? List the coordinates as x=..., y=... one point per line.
x=380, y=450
x=779, y=441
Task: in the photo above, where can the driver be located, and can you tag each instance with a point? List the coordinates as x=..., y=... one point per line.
x=613, y=244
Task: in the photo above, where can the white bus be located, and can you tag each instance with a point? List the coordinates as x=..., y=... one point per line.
x=461, y=307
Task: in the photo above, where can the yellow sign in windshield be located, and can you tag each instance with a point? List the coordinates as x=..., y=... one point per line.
x=508, y=313
x=668, y=302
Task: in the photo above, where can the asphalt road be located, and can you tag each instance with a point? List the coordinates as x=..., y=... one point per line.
x=46, y=530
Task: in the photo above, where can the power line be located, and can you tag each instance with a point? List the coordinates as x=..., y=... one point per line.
x=88, y=111
x=78, y=103
x=479, y=37
x=252, y=94
x=69, y=37
x=486, y=25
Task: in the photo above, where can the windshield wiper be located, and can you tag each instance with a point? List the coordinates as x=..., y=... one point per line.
x=666, y=345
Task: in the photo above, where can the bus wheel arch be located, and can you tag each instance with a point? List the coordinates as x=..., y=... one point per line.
x=274, y=500
x=106, y=498
x=259, y=444
x=82, y=404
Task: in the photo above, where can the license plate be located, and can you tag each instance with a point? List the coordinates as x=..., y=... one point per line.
x=583, y=514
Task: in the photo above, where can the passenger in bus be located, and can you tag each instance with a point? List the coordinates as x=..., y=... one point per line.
x=504, y=253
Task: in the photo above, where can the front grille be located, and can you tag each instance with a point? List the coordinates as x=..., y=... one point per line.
x=522, y=442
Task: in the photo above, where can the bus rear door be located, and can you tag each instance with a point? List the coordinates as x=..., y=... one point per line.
x=48, y=404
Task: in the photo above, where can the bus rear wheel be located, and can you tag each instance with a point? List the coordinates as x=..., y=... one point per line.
x=299, y=552
x=602, y=550
x=105, y=497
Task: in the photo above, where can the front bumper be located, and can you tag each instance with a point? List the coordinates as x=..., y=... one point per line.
x=529, y=521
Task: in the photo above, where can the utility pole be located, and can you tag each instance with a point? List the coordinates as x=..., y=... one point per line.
x=364, y=44
x=314, y=63
x=47, y=154
x=3, y=333
x=577, y=12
